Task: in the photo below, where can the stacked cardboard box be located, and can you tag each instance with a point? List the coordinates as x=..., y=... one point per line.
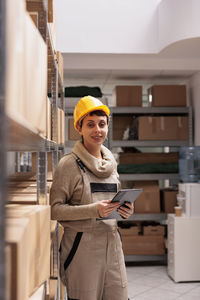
x=154, y=230
x=120, y=125
x=128, y=95
x=167, y=95
x=73, y=134
x=134, y=243
x=37, y=249
x=168, y=200
x=145, y=158
x=149, y=200
x=163, y=128
x=26, y=69
x=59, y=57
x=17, y=237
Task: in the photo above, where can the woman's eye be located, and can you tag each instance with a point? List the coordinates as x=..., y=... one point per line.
x=102, y=124
x=90, y=125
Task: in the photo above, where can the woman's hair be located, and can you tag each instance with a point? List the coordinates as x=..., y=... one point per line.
x=96, y=113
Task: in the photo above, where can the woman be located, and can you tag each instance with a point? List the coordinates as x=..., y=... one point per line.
x=91, y=258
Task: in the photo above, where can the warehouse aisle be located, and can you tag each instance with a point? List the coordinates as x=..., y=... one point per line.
x=153, y=283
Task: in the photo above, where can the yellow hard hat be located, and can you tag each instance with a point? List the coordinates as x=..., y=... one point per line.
x=86, y=105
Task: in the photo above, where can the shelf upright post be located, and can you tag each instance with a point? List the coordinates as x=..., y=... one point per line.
x=41, y=177
x=54, y=93
x=190, y=117
x=3, y=145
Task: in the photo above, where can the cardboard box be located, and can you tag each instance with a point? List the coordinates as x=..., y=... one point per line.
x=59, y=57
x=61, y=126
x=128, y=95
x=50, y=11
x=38, y=260
x=133, y=230
x=147, y=158
x=49, y=165
x=18, y=237
x=153, y=230
x=143, y=245
x=163, y=128
x=26, y=199
x=120, y=124
x=73, y=134
x=48, y=119
x=34, y=17
x=15, y=63
x=53, y=289
x=149, y=200
x=168, y=200
x=167, y=95
x=55, y=244
x=35, y=83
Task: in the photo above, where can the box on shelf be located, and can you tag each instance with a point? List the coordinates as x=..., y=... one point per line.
x=128, y=95
x=38, y=251
x=35, y=77
x=73, y=134
x=49, y=167
x=48, y=119
x=168, y=200
x=120, y=124
x=70, y=102
x=53, y=289
x=59, y=57
x=149, y=200
x=167, y=95
x=30, y=199
x=18, y=237
x=56, y=237
x=143, y=245
x=153, y=230
x=163, y=128
x=133, y=230
x=61, y=126
x=15, y=64
x=34, y=17
x=26, y=63
x=50, y=11
x=145, y=158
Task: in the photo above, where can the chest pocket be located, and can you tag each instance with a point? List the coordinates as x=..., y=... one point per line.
x=103, y=191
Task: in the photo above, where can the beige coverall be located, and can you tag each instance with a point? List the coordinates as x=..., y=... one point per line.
x=91, y=258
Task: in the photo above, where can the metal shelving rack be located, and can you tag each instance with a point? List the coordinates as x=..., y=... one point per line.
x=151, y=111
x=23, y=137
x=2, y=148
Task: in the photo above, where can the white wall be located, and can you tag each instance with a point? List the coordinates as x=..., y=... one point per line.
x=124, y=26
x=178, y=20
x=195, y=96
x=107, y=26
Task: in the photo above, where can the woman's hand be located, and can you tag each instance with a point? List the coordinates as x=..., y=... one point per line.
x=126, y=212
x=105, y=208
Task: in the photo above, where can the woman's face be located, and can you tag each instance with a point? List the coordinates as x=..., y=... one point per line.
x=94, y=130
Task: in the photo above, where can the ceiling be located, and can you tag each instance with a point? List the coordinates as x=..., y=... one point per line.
x=178, y=60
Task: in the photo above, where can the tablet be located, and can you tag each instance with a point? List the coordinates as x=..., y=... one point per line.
x=127, y=195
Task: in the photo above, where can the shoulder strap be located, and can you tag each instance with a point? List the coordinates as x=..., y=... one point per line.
x=79, y=162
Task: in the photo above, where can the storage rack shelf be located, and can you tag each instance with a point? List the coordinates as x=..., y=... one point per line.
x=19, y=135
x=146, y=217
x=24, y=138
x=142, y=258
x=148, y=176
x=149, y=111
x=2, y=148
